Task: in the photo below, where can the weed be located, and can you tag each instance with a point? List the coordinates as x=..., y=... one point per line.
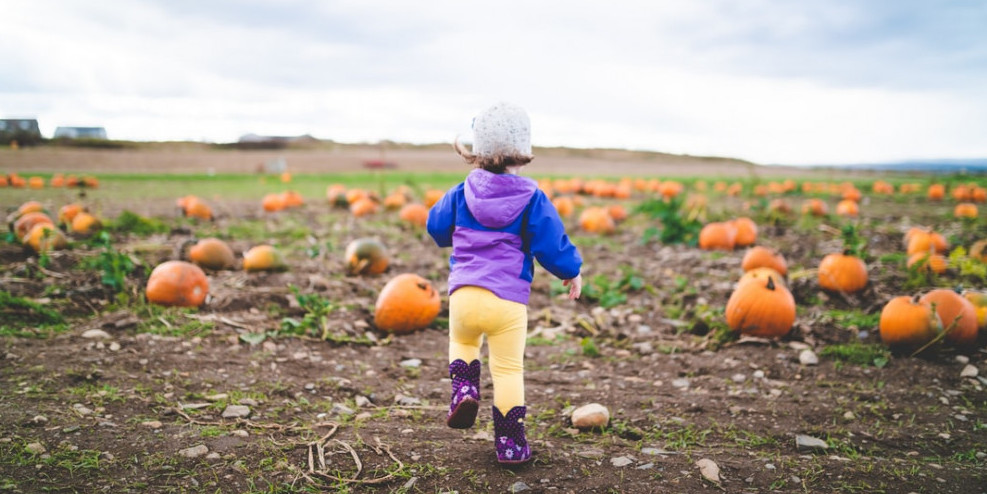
x=17, y=314
x=114, y=265
x=674, y=229
x=862, y=354
x=130, y=222
x=611, y=293
x=589, y=347
x=854, y=319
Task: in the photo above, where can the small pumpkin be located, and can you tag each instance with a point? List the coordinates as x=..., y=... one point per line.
x=958, y=315
x=764, y=257
x=617, y=212
x=908, y=322
x=212, y=253
x=177, y=283
x=197, y=208
x=927, y=262
x=67, y=212
x=414, y=213
x=564, y=205
x=363, y=206
x=336, y=195
x=28, y=220
x=273, y=202
x=27, y=207
x=779, y=206
x=432, y=196
x=85, y=224
x=843, y=273
x=815, y=207
x=717, y=236
x=936, y=192
x=36, y=182
x=979, y=250
x=979, y=301
x=746, y=231
x=44, y=237
x=847, y=208
x=597, y=220
x=921, y=241
x=292, y=199
x=407, y=303
x=395, y=201
x=264, y=258
x=761, y=308
x=761, y=273
x=965, y=210
x=366, y=256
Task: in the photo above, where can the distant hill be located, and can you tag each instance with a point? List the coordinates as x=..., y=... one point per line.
x=974, y=166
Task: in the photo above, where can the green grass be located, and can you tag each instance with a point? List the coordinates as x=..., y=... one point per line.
x=862, y=354
x=25, y=318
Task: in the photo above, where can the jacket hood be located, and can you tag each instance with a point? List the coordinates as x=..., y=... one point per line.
x=496, y=200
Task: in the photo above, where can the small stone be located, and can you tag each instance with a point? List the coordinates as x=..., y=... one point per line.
x=362, y=401
x=217, y=397
x=709, y=470
x=412, y=363
x=758, y=374
x=969, y=371
x=407, y=400
x=236, y=411
x=680, y=383
x=152, y=424
x=621, y=461
x=39, y=419
x=590, y=454
x=808, y=357
x=250, y=402
x=240, y=433
x=770, y=467
x=82, y=409
x=646, y=466
x=213, y=456
x=590, y=416
x=407, y=431
x=519, y=487
x=341, y=409
x=94, y=334
x=809, y=444
x=738, y=378
x=106, y=456
x=35, y=448
x=360, y=417
x=962, y=359
x=410, y=484
x=848, y=415
x=194, y=451
x=981, y=455
x=114, y=347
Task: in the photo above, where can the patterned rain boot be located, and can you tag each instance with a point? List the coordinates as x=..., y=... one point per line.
x=512, y=446
x=465, y=393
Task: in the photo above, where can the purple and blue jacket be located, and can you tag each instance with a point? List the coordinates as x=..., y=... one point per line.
x=497, y=225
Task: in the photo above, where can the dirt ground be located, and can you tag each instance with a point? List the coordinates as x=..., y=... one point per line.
x=139, y=405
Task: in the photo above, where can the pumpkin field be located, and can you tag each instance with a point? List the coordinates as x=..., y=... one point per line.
x=746, y=328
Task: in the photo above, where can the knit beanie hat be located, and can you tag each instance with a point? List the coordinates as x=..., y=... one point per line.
x=503, y=129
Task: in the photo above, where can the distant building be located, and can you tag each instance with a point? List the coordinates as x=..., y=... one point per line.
x=254, y=141
x=80, y=133
x=23, y=130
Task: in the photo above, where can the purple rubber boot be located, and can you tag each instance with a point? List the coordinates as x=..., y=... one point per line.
x=512, y=446
x=465, y=393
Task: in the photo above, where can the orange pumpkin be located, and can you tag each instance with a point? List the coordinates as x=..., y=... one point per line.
x=67, y=212
x=212, y=253
x=28, y=207
x=596, y=220
x=336, y=195
x=779, y=206
x=432, y=196
x=414, y=213
x=965, y=210
x=196, y=208
x=354, y=195
x=85, y=224
x=273, y=202
x=292, y=199
x=57, y=180
x=617, y=212
x=979, y=301
x=761, y=308
x=365, y=256
x=395, y=201
x=44, y=237
x=908, y=322
x=363, y=206
x=407, y=303
x=847, y=208
x=746, y=231
x=264, y=258
x=36, y=183
x=717, y=236
x=927, y=262
x=936, y=192
x=564, y=206
x=958, y=315
x=764, y=257
x=25, y=222
x=815, y=207
x=177, y=283
x=843, y=273
x=979, y=250
x=285, y=177
x=761, y=273
x=851, y=193
x=922, y=241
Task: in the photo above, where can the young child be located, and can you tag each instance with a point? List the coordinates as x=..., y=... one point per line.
x=497, y=223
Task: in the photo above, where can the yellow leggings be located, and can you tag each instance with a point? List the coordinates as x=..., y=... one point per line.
x=475, y=312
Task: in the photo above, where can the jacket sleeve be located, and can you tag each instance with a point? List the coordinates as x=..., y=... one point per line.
x=549, y=243
x=442, y=220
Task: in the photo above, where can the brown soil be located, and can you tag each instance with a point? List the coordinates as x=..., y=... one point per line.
x=114, y=419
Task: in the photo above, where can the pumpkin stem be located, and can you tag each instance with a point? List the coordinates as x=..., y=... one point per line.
x=771, y=284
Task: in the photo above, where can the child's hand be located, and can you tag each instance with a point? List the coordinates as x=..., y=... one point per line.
x=575, y=286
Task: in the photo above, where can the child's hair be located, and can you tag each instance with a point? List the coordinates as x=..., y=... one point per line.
x=497, y=163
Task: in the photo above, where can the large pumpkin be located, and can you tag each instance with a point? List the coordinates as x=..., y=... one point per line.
x=958, y=315
x=842, y=273
x=212, y=253
x=762, y=308
x=979, y=301
x=366, y=256
x=44, y=237
x=407, y=303
x=919, y=240
x=717, y=236
x=263, y=258
x=28, y=220
x=764, y=257
x=85, y=224
x=177, y=283
x=596, y=220
x=908, y=322
x=927, y=262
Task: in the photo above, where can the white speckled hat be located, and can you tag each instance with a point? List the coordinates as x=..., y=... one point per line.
x=502, y=129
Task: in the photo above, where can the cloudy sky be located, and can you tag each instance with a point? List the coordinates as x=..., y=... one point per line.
x=771, y=81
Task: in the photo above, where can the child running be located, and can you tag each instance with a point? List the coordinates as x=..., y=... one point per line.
x=497, y=223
